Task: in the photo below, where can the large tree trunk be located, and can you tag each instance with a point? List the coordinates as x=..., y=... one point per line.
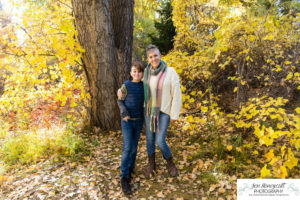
x=122, y=22
x=107, y=53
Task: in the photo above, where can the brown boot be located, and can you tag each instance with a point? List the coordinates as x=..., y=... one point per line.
x=151, y=167
x=171, y=167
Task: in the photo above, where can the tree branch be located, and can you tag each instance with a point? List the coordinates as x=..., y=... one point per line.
x=65, y=4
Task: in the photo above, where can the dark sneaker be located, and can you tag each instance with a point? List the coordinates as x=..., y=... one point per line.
x=125, y=186
x=131, y=172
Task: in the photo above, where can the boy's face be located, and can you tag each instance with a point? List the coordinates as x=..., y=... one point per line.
x=136, y=74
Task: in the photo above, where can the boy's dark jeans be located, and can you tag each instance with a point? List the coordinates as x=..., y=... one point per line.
x=131, y=133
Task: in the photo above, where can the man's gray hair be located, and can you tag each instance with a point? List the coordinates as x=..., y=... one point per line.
x=151, y=47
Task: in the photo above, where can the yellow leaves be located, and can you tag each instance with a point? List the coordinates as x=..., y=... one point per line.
x=251, y=38
x=201, y=94
x=191, y=100
x=239, y=149
x=264, y=171
x=268, y=37
x=183, y=88
x=267, y=78
x=204, y=109
x=269, y=110
x=280, y=125
x=269, y=155
x=279, y=163
x=266, y=140
x=229, y=147
x=278, y=68
x=193, y=123
x=38, y=77
x=263, y=117
x=235, y=89
x=283, y=172
x=297, y=144
x=73, y=164
x=190, y=118
x=249, y=116
x=186, y=106
x=193, y=93
x=275, y=160
x=291, y=161
x=289, y=76
x=73, y=103
x=240, y=124
x=248, y=125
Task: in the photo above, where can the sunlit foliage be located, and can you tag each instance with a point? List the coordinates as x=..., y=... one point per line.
x=44, y=84
x=229, y=52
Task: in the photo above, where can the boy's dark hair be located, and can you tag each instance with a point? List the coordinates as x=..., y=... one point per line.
x=151, y=47
x=138, y=65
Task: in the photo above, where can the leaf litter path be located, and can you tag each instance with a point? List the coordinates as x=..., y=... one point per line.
x=98, y=176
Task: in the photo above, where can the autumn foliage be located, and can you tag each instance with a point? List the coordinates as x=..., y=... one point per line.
x=238, y=62
x=239, y=67
x=44, y=90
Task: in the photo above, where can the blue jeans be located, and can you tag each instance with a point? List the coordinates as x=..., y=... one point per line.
x=131, y=133
x=158, y=138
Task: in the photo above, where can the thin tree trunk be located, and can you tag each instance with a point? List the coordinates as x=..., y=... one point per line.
x=241, y=92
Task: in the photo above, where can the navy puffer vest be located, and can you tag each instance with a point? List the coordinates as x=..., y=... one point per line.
x=134, y=100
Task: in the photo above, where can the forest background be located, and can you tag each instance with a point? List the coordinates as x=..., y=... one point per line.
x=238, y=61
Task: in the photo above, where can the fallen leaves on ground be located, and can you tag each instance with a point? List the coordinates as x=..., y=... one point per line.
x=98, y=176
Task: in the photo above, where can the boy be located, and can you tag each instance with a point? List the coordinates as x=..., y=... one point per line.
x=131, y=110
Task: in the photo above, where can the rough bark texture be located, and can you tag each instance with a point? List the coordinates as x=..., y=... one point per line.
x=103, y=61
x=122, y=22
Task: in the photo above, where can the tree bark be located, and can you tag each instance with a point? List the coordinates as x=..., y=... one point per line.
x=105, y=58
x=122, y=22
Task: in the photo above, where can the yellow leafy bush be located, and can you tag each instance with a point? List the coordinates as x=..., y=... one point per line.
x=275, y=129
x=236, y=51
x=44, y=83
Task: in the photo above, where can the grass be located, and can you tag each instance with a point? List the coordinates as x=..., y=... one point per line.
x=33, y=145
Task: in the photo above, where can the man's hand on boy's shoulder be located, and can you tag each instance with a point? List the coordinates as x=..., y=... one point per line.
x=126, y=118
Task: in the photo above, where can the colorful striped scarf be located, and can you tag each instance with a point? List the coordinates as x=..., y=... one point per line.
x=153, y=101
